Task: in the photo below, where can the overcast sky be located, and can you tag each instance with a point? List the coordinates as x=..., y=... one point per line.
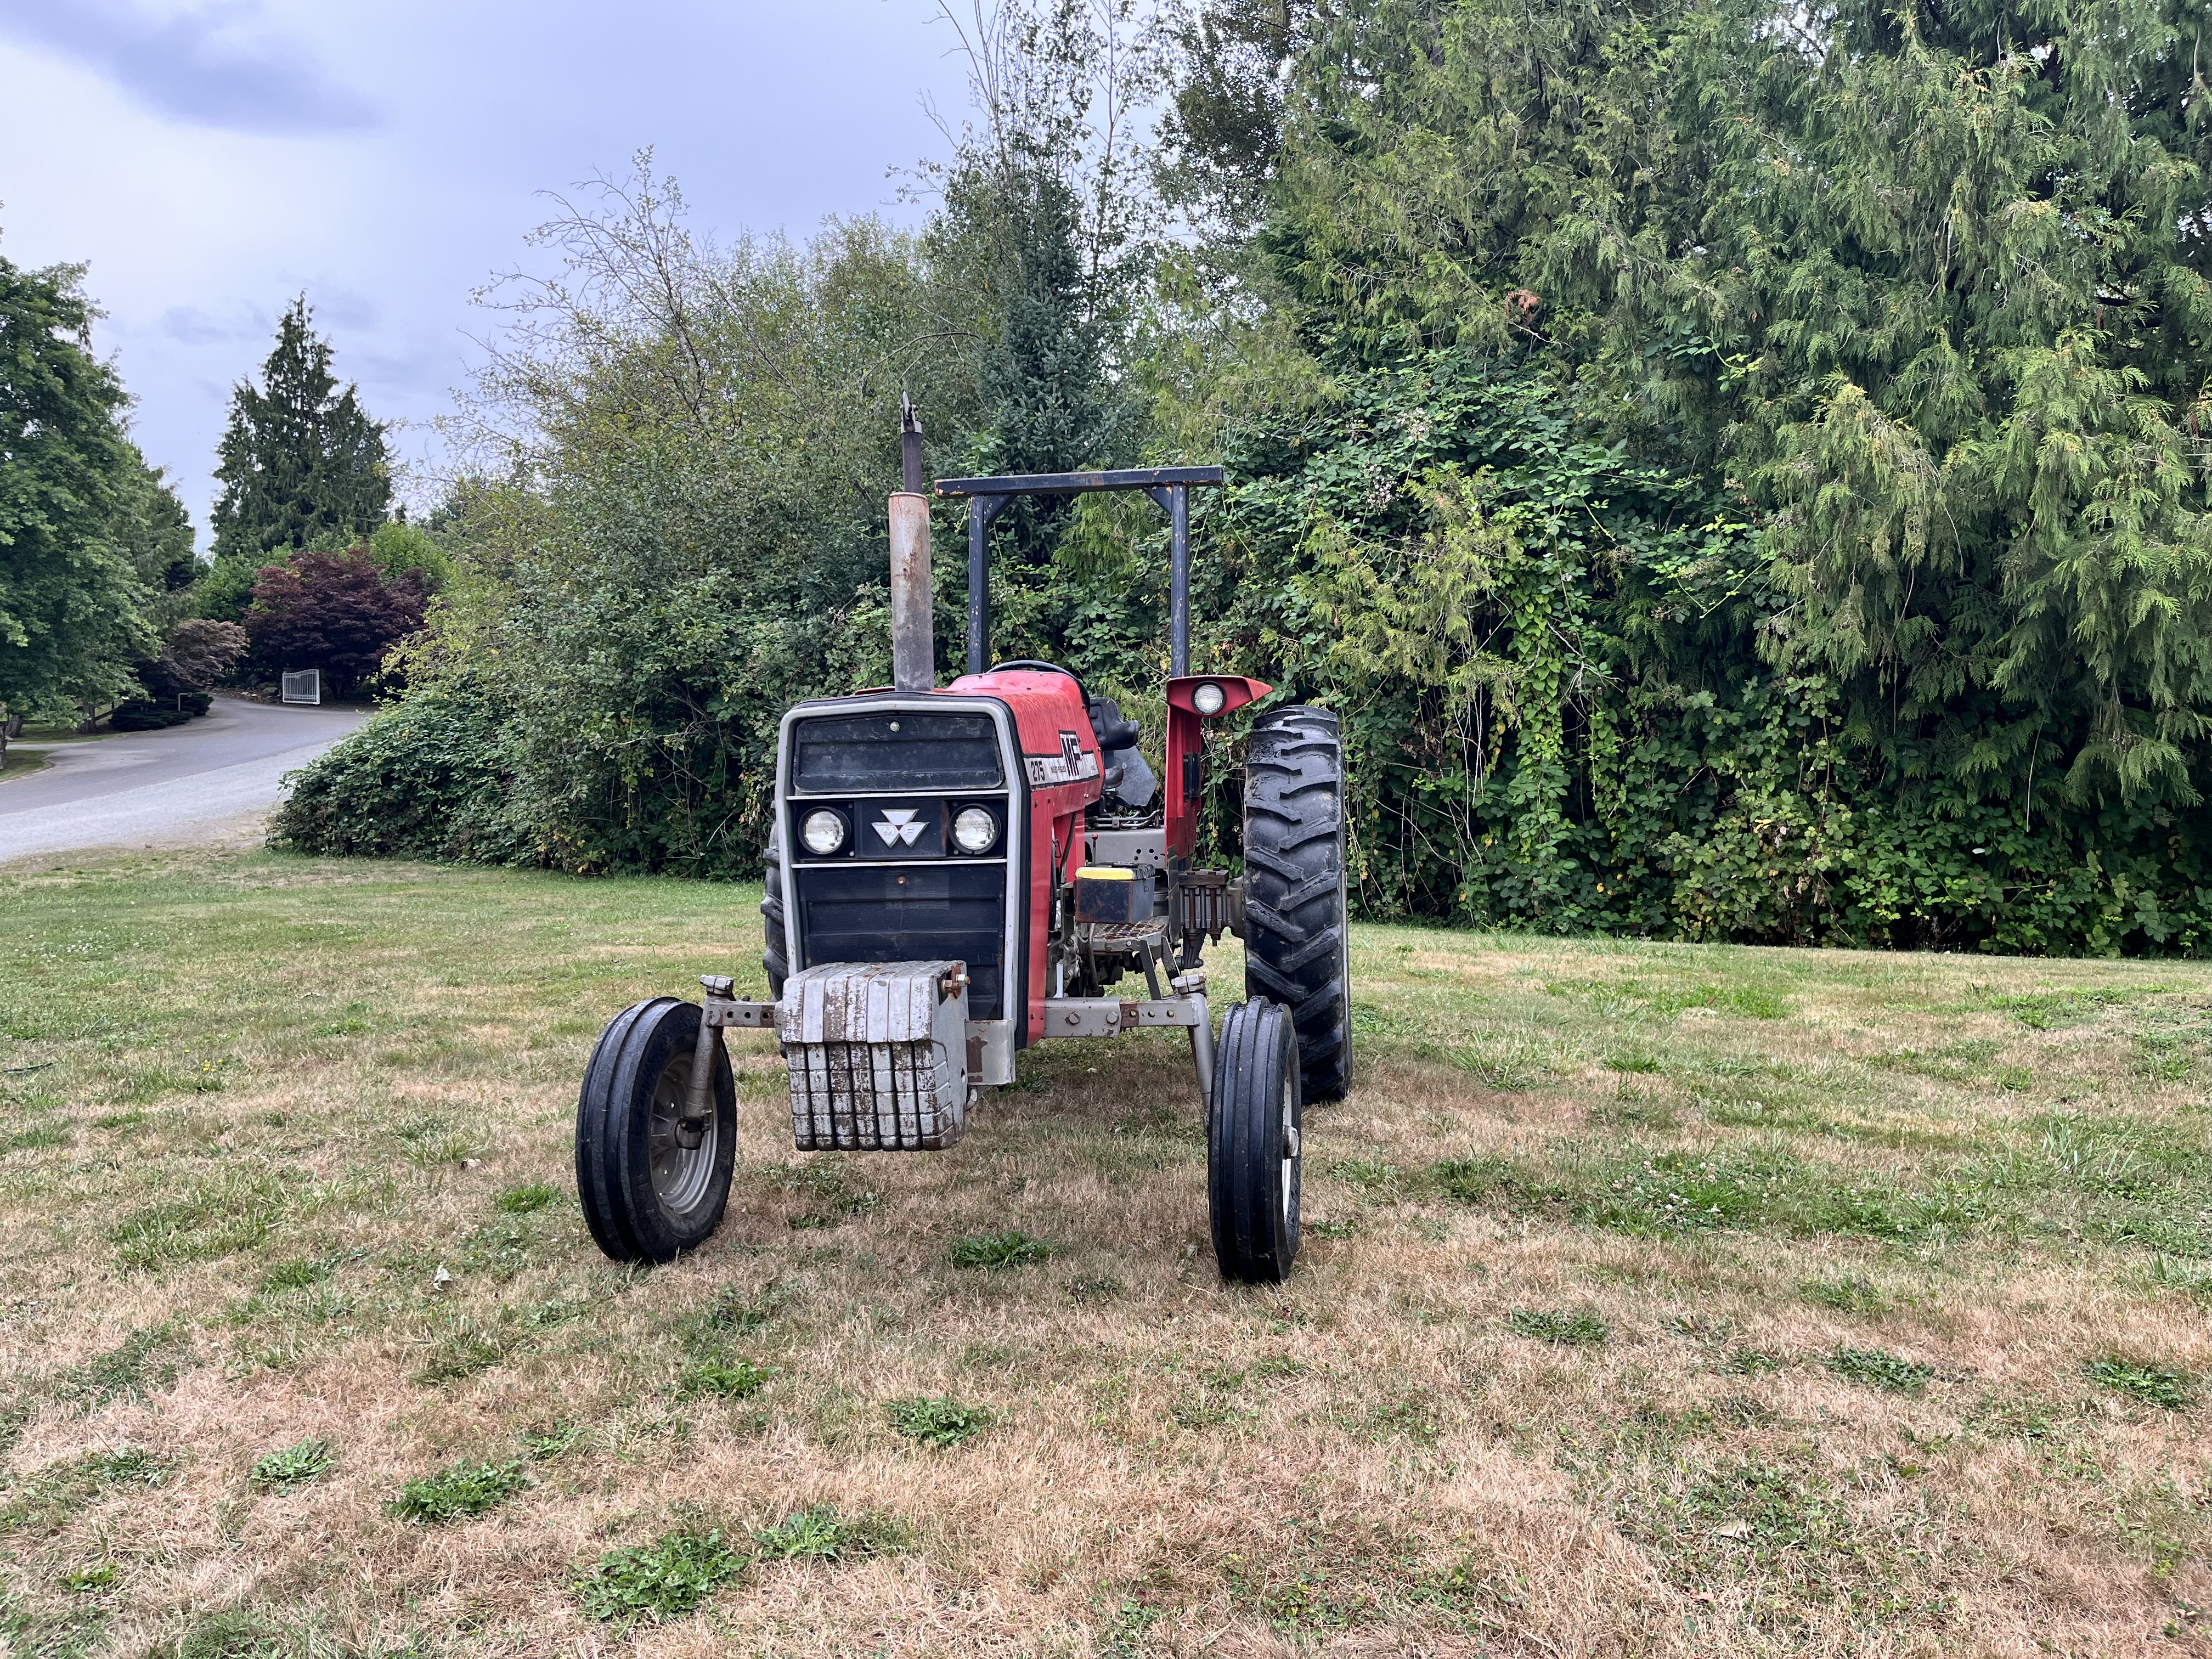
x=209, y=161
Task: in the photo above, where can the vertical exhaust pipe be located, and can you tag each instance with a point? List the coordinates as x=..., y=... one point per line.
x=914, y=658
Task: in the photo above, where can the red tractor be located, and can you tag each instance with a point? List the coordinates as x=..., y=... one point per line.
x=955, y=873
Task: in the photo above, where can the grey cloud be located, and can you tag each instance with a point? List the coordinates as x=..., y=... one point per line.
x=210, y=67
x=192, y=325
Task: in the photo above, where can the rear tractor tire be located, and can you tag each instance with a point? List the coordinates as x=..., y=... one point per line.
x=1297, y=945
x=1254, y=1146
x=646, y=1196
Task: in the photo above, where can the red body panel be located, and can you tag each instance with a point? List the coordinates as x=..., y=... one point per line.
x=1060, y=754
x=1185, y=784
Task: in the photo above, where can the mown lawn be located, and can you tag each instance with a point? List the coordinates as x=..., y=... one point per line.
x=1655, y=1300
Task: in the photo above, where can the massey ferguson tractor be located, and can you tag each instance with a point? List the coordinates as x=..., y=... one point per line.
x=959, y=873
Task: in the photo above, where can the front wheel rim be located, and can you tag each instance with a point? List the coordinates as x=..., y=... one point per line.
x=682, y=1176
x=1288, y=1183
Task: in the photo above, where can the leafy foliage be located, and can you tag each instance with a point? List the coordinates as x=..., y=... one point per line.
x=335, y=612
x=1737, y=474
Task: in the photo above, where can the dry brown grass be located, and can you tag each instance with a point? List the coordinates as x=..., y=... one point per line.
x=257, y=1106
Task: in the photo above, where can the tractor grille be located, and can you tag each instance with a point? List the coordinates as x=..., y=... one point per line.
x=835, y=754
x=917, y=912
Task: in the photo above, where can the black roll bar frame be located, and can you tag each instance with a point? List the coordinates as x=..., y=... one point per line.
x=1168, y=486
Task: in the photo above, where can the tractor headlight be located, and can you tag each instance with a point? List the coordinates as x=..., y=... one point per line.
x=977, y=830
x=1207, y=698
x=823, y=831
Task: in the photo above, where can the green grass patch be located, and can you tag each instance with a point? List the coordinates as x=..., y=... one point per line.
x=818, y=1533
x=939, y=1420
x=522, y=1200
x=459, y=1491
x=1849, y=1293
x=721, y=1379
x=992, y=1251
x=1579, y=1328
x=1878, y=1368
x=2168, y=1387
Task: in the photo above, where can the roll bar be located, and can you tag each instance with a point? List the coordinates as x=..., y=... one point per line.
x=1169, y=486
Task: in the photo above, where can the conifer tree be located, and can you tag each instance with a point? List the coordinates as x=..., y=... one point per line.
x=301, y=462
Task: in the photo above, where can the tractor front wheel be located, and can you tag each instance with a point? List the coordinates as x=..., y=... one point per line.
x=1252, y=1144
x=649, y=1196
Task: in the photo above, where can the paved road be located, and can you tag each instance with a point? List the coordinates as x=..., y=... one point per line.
x=202, y=783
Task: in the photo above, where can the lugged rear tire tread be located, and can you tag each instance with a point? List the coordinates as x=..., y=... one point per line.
x=1297, y=935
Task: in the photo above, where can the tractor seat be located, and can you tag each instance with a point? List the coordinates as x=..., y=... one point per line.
x=1111, y=730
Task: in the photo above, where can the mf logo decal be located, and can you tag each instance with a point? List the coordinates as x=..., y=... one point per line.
x=898, y=827
x=1072, y=764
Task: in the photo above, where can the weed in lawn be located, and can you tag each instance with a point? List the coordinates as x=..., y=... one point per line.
x=1849, y=1293
x=665, y=1579
x=523, y=1199
x=1579, y=1328
x=1372, y=1175
x=991, y=1251
x=459, y=1491
x=939, y=1421
x=2167, y=1387
x=90, y=1581
x=818, y=1532
x=295, y=1466
x=721, y=1379
x=546, y=1440
x=1472, y=1180
x=1094, y=1288
x=1743, y=1360
x=1881, y=1369
x=2190, y=1278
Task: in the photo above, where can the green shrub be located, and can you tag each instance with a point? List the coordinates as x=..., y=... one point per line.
x=422, y=780
x=459, y=1491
